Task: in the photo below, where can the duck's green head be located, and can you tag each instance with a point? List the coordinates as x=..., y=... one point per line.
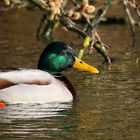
x=59, y=56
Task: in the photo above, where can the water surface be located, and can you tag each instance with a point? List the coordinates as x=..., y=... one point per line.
x=109, y=103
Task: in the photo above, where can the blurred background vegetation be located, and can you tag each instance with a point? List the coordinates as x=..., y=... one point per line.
x=80, y=17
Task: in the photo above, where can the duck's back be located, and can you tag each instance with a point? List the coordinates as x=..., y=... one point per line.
x=32, y=86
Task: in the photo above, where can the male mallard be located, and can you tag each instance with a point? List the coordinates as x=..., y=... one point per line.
x=44, y=84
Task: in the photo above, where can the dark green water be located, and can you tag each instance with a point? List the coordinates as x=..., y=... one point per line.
x=109, y=103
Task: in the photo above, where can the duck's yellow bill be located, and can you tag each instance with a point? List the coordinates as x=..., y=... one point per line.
x=81, y=65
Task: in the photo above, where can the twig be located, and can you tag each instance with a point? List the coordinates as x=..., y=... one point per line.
x=138, y=11
x=132, y=22
x=75, y=3
x=101, y=49
x=98, y=45
x=40, y=3
x=101, y=12
x=99, y=39
x=71, y=26
x=89, y=34
x=45, y=29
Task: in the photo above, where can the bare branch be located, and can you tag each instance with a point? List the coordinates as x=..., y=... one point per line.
x=132, y=22
x=69, y=24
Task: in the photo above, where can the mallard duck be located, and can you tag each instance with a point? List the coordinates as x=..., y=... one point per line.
x=44, y=84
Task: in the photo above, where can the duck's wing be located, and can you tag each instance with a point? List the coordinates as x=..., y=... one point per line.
x=13, y=76
x=7, y=69
x=32, y=86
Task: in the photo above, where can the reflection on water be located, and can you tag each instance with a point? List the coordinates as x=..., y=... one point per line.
x=108, y=105
x=42, y=120
x=32, y=111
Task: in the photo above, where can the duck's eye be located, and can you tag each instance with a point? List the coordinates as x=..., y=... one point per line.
x=63, y=53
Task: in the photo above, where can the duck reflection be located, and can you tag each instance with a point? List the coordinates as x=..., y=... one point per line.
x=34, y=111
x=36, y=120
